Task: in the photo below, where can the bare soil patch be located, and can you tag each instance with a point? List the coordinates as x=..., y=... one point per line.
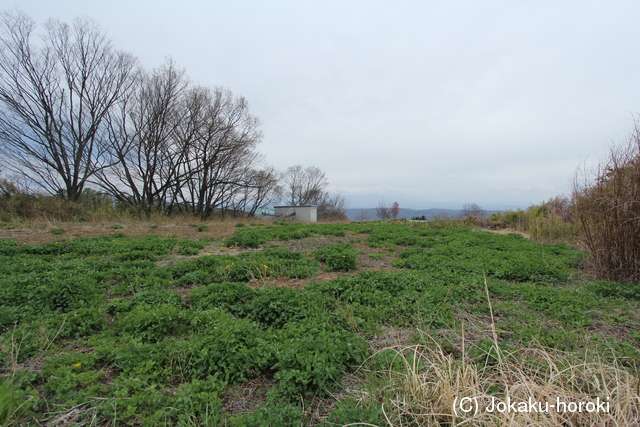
x=37, y=233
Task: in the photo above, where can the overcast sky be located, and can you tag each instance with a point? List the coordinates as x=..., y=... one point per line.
x=427, y=103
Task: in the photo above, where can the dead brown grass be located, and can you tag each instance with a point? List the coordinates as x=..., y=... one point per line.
x=40, y=232
x=436, y=387
x=509, y=231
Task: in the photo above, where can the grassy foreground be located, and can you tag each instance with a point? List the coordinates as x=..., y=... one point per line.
x=288, y=324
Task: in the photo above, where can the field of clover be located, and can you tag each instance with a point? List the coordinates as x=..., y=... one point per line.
x=148, y=330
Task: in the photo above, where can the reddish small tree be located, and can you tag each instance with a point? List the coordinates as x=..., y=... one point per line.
x=395, y=210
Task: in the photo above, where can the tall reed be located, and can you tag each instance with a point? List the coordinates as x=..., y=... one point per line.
x=607, y=207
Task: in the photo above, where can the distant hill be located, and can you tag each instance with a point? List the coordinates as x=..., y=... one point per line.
x=368, y=214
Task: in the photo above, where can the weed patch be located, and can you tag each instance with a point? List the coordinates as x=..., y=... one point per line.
x=149, y=330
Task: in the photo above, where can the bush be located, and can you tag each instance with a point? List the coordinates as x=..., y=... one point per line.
x=246, y=238
x=608, y=289
x=17, y=202
x=608, y=212
x=190, y=247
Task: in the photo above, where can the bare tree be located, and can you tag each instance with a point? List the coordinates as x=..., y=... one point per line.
x=333, y=207
x=470, y=210
x=383, y=210
x=304, y=186
x=221, y=136
x=143, y=140
x=362, y=216
x=54, y=100
x=307, y=186
x=260, y=189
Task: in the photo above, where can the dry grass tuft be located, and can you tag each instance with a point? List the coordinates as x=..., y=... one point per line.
x=428, y=386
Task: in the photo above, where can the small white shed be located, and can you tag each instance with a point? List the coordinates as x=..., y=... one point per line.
x=301, y=213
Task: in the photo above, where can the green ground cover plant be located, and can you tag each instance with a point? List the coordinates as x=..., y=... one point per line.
x=153, y=330
x=340, y=257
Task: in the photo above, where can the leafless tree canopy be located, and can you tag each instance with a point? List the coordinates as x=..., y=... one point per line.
x=333, y=207
x=307, y=186
x=186, y=149
x=304, y=186
x=472, y=210
x=54, y=99
x=383, y=210
x=221, y=136
x=142, y=140
x=74, y=112
x=262, y=189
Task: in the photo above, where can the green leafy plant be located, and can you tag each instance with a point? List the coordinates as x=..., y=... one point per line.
x=148, y=337
x=154, y=323
x=316, y=359
x=236, y=298
x=340, y=257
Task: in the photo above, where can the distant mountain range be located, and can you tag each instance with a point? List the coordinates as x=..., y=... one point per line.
x=368, y=214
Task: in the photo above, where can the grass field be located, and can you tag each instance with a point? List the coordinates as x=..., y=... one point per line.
x=289, y=324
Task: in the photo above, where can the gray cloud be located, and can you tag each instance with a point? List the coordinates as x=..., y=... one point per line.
x=421, y=102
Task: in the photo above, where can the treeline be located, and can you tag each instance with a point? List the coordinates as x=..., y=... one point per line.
x=548, y=221
x=76, y=114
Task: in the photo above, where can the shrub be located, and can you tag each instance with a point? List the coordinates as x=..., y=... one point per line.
x=281, y=253
x=247, y=238
x=608, y=212
x=607, y=289
x=301, y=269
